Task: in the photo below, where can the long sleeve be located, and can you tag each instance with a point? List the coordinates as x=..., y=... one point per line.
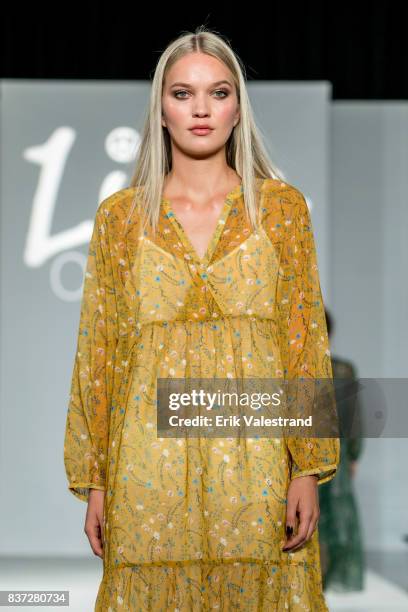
x=305, y=344
x=87, y=423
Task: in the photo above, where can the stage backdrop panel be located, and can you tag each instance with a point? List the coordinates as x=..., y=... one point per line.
x=369, y=255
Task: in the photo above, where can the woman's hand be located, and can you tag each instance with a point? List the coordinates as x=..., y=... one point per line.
x=302, y=501
x=94, y=521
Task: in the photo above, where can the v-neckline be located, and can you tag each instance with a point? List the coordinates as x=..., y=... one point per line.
x=225, y=210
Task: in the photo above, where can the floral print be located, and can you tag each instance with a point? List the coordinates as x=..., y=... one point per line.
x=197, y=524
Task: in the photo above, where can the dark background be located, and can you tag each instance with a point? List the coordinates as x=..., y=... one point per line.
x=360, y=47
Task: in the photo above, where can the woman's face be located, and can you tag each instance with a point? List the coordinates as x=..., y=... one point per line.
x=199, y=90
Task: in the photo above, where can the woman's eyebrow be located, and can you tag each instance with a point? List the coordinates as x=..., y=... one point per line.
x=179, y=84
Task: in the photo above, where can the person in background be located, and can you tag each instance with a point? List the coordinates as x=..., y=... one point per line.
x=340, y=536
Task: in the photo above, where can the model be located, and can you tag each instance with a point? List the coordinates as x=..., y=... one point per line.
x=205, y=266
x=341, y=543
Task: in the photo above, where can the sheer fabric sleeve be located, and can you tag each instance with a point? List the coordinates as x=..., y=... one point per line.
x=305, y=345
x=87, y=422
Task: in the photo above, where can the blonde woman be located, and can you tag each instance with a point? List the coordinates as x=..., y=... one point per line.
x=205, y=266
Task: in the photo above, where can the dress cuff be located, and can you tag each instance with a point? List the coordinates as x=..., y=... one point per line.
x=81, y=489
x=324, y=473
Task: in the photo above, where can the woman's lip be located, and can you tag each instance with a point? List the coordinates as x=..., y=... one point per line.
x=201, y=130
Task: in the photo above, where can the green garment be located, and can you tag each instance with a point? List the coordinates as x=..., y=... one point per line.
x=340, y=535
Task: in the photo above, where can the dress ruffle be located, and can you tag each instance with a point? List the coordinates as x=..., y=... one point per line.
x=200, y=587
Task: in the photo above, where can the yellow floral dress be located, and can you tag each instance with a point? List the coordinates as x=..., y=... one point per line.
x=198, y=525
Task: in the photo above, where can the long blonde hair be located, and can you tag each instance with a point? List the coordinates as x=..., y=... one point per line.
x=245, y=151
